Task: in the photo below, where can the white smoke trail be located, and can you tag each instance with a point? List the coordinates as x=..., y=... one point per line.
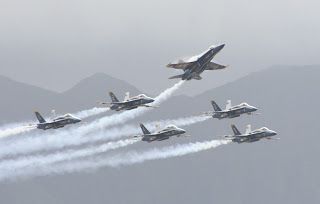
x=113, y=133
x=129, y=158
x=167, y=93
x=154, y=154
x=15, y=130
x=184, y=121
x=50, y=142
x=91, y=112
x=43, y=160
x=18, y=128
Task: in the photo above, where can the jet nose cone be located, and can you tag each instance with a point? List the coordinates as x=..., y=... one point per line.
x=254, y=108
x=182, y=131
x=273, y=133
x=220, y=47
x=77, y=120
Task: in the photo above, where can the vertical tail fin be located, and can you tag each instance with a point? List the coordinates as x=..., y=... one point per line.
x=235, y=130
x=144, y=129
x=215, y=106
x=127, y=96
x=113, y=97
x=248, y=130
x=229, y=105
x=40, y=118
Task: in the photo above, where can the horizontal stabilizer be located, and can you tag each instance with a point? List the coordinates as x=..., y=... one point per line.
x=176, y=77
x=106, y=104
x=197, y=77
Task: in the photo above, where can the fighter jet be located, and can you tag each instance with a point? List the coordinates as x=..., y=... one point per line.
x=164, y=134
x=231, y=111
x=56, y=123
x=250, y=136
x=194, y=66
x=129, y=102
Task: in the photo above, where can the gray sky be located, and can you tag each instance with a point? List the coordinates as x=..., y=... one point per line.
x=54, y=44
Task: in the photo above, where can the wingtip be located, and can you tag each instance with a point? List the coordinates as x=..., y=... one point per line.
x=169, y=65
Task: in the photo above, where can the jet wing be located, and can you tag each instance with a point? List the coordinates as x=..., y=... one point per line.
x=181, y=65
x=214, y=66
x=230, y=111
x=242, y=138
x=109, y=104
x=149, y=106
x=150, y=138
x=270, y=138
x=120, y=103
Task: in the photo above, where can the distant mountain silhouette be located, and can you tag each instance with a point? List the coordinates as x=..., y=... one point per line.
x=283, y=171
x=20, y=100
x=293, y=88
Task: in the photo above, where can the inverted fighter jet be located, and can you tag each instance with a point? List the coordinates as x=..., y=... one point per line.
x=231, y=111
x=57, y=122
x=164, y=134
x=250, y=136
x=129, y=102
x=194, y=66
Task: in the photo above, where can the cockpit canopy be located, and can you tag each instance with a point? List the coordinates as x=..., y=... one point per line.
x=264, y=129
x=140, y=96
x=171, y=127
x=243, y=104
x=66, y=116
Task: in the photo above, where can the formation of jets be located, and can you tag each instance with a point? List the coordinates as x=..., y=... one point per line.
x=192, y=68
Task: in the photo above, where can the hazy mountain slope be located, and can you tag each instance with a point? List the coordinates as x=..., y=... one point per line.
x=284, y=171
x=95, y=88
x=20, y=100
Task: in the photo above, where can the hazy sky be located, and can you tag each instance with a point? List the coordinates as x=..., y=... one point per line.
x=54, y=44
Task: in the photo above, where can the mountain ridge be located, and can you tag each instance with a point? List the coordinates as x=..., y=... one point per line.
x=281, y=171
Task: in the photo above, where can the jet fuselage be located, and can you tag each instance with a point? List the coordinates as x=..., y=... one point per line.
x=58, y=122
x=253, y=136
x=233, y=113
x=162, y=134
x=129, y=105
